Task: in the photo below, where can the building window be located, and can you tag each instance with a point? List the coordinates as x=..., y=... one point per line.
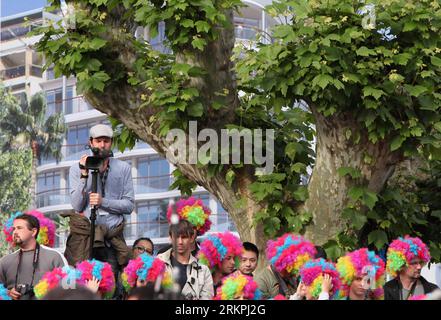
x=153, y=175
x=152, y=219
x=48, y=181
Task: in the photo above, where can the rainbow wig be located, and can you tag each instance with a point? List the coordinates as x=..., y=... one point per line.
x=55, y=278
x=102, y=271
x=46, y=235
x=402, y=251
x=418, y=297
x=311, y=275
x=194, y=211
x=4, y=293
x=216, y=247
x=145, y=268
x=360, y=263
x=237, y=286
x=289, y=252
x=279, y=297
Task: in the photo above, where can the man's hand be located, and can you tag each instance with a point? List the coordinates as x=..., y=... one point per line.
x=14, y=294
x=93, y=284
x=95, y=199
x=141, y=283
x=301, y=289
x=326, y=283
x=83, y=163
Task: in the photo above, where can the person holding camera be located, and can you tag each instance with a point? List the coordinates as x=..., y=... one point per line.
x=193, y=278
x=19, y=271
x=114, y=198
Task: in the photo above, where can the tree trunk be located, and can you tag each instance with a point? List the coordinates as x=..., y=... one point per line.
x=32, y=187
x=327, y=190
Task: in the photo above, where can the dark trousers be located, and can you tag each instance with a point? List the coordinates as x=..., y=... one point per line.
x=108, y=254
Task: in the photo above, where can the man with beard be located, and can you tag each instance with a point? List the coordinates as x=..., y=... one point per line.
x=114, y=199
x=405, y=259
x=19, y=271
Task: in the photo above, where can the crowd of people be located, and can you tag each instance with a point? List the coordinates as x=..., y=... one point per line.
x=218, y=266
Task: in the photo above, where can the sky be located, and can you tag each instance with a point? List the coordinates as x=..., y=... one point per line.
x=10, y=7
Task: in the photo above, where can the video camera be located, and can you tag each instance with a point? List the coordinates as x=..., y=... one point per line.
x=95, y=162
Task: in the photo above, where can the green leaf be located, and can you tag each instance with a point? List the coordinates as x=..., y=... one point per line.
x=229, y=177
x=353, y=172
x=396, y=143
x=365, y=52
x=187, y=23
x=436, y=213
x=378, y=238
x=370, y=199
x=415, y=90
x=355, y=193
x=370, y=91
x=97, y=43
x=435, y=61
x=202, y=26
x=322, y=80
x=198, y=43
x=301, y=194
x=195, y=110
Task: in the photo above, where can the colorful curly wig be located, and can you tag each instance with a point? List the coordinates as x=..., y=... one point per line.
x=402, y=251
x=194, y=211
x=360, y=263
x=289, y=253
x=4, y=293
x=46, y=235
x=102, y=271
x=237, y=286
x=55, y=278
x=311, y=274
x=216, y=247
x=419, y=297
x=145, y=268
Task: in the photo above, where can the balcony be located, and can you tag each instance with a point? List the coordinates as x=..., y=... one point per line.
x=20, y=71
x=17, y=31
x=53, y=197
x=243, y=32
x=12, y=73
x=74, y=152
x=152, y=184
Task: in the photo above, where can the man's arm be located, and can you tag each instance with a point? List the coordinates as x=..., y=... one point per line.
x=2, y=273
x=126, y=204
x=78, y=196
x=207, y=290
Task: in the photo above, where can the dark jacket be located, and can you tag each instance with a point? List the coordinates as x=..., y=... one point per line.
x=78, y=241
x=392, y=288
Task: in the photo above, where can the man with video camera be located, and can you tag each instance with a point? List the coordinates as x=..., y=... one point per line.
x=113, y=199
x=24, y=268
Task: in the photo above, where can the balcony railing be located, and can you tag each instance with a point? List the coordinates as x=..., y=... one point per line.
x=12, y=73
x=72, y=105
x=152, y=184
x=53, y=197
x=20, y=71
x=75, y=151
x=17, y=31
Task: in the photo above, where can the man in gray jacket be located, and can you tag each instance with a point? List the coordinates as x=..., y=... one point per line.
x=114, y=198
x=193, y=278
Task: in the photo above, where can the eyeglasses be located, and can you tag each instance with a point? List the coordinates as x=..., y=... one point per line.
x=142, y=250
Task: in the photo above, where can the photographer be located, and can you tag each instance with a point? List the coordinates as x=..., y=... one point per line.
x=193, y=278
x=113, y=199
x=19, y=271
